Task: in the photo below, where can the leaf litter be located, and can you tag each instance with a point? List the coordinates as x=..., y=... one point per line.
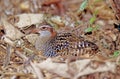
x=20, y=59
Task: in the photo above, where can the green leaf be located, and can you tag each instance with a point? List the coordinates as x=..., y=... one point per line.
x=89, y=29
x=92, y=20
x=116, y=53
x=83, y=5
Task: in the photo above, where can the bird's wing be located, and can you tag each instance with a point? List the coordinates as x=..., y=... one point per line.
x=65, y=44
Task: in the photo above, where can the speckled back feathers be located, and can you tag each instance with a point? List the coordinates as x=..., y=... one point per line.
x=68, y=44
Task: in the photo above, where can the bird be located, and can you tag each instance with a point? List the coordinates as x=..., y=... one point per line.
x=53, y=44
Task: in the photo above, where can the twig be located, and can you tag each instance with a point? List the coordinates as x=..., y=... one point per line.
x=7, y=58
x=36, y=70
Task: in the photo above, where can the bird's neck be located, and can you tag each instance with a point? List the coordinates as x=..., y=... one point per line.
x=41, y=43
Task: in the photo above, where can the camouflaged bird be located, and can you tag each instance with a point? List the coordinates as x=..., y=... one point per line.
x=54, y=44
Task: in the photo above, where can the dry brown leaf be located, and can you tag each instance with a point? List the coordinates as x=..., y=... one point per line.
x=28, y=19
x=58, y=68
x=81, y=67
x=32, y=38
x=10, y=31
x=111, y=34
x=108, y=66
x=57, y=20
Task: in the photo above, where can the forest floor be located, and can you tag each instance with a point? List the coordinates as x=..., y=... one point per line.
x=94, y=20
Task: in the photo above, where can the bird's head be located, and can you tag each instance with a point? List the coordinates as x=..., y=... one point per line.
x=45, y=31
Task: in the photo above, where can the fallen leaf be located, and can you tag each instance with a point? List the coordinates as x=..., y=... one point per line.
x=10, y=31
x=32, y=38
x=28, y=19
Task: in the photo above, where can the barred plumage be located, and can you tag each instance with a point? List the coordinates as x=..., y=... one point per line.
x=63, y=44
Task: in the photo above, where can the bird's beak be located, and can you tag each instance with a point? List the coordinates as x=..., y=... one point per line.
x=35, y=31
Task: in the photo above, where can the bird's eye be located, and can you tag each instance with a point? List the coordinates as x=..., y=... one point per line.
x=43, y=28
